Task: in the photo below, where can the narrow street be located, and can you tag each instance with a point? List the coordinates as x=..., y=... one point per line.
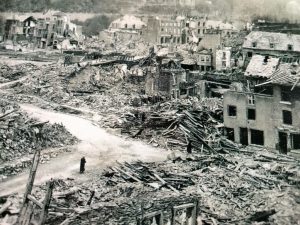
x=100, y=149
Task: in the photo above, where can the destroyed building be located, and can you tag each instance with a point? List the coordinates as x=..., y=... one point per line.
x=47, y=29
x=172, y=32
x=127, y=27
x=219, y=27
x=223, y=58
x=205, y=60
x=283, y=45
x=268, y=119
x=166, y=79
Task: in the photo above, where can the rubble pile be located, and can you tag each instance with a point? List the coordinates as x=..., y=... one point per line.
x=173, y=124
x=11, y=73
x=233, y=188
x=21, y=135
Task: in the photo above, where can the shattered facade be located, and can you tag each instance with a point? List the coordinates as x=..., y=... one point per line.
x=266, y=119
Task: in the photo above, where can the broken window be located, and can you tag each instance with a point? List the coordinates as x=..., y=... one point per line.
x=249, y=54
x=290, y=47
x=224, y=55
x=230, y=134
x=287, y=117
x=254, y=44
x=257, y=137
x=231, y=110
x=251, y=100
x=223, y=64
x=243, y=136
x=285, y=95
x=251, y=114
x=272, y=45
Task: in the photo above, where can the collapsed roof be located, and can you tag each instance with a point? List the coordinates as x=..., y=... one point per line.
x=262, y=66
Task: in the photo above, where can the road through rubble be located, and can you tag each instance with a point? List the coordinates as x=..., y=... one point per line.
x=100, y=149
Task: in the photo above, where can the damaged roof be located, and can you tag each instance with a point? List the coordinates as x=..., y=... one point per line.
x=272, y=41
x=287, y=74
x=262, y=66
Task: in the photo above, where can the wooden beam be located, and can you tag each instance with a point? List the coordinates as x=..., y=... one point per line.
x=50, y=186
x=35, y=201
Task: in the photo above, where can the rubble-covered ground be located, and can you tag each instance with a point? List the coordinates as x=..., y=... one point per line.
x=245, y=187
x=231, y=184
x=21, y=136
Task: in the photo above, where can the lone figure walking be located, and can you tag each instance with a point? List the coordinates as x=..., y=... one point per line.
x=82, y=164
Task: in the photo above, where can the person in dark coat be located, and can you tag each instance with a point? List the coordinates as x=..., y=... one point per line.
x=82, y=164
x=189, y=147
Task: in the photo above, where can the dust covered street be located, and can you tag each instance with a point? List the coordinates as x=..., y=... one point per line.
x=100, y=149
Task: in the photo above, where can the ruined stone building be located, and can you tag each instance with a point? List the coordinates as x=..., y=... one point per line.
x=267, y=118
x=223, y=58
x=13, y=29
x=128, y=27
x=166, y=80
x=282, y=45
x=219, y=27
x=205, y=60
x=46, y=30
x=172, y=31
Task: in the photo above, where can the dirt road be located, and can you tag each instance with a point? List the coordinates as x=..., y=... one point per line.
x=99, y=147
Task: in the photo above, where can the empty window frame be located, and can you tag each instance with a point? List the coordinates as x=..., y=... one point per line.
x=254, y=44
x=290, y=47
x=287, y=117
x=251, y=99
x=296, y=141
x=230, y=134
x=232, y=110
x=285, y=94
x=251, y=114
x=257, y=137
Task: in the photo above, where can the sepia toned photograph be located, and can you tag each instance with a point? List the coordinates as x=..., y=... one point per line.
x=149, y=112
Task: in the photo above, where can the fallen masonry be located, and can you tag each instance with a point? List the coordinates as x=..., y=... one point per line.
x=244, y=187
x=22, y=136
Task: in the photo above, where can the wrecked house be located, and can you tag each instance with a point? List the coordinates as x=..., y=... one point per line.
x=219, y=27
x=269, y=119
x=223, y=58
x=205, y=60
x=166, y=80
x=127, y=27
x=13, y=28
x=284, y=46
x=44, y=30
x=172, y=31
